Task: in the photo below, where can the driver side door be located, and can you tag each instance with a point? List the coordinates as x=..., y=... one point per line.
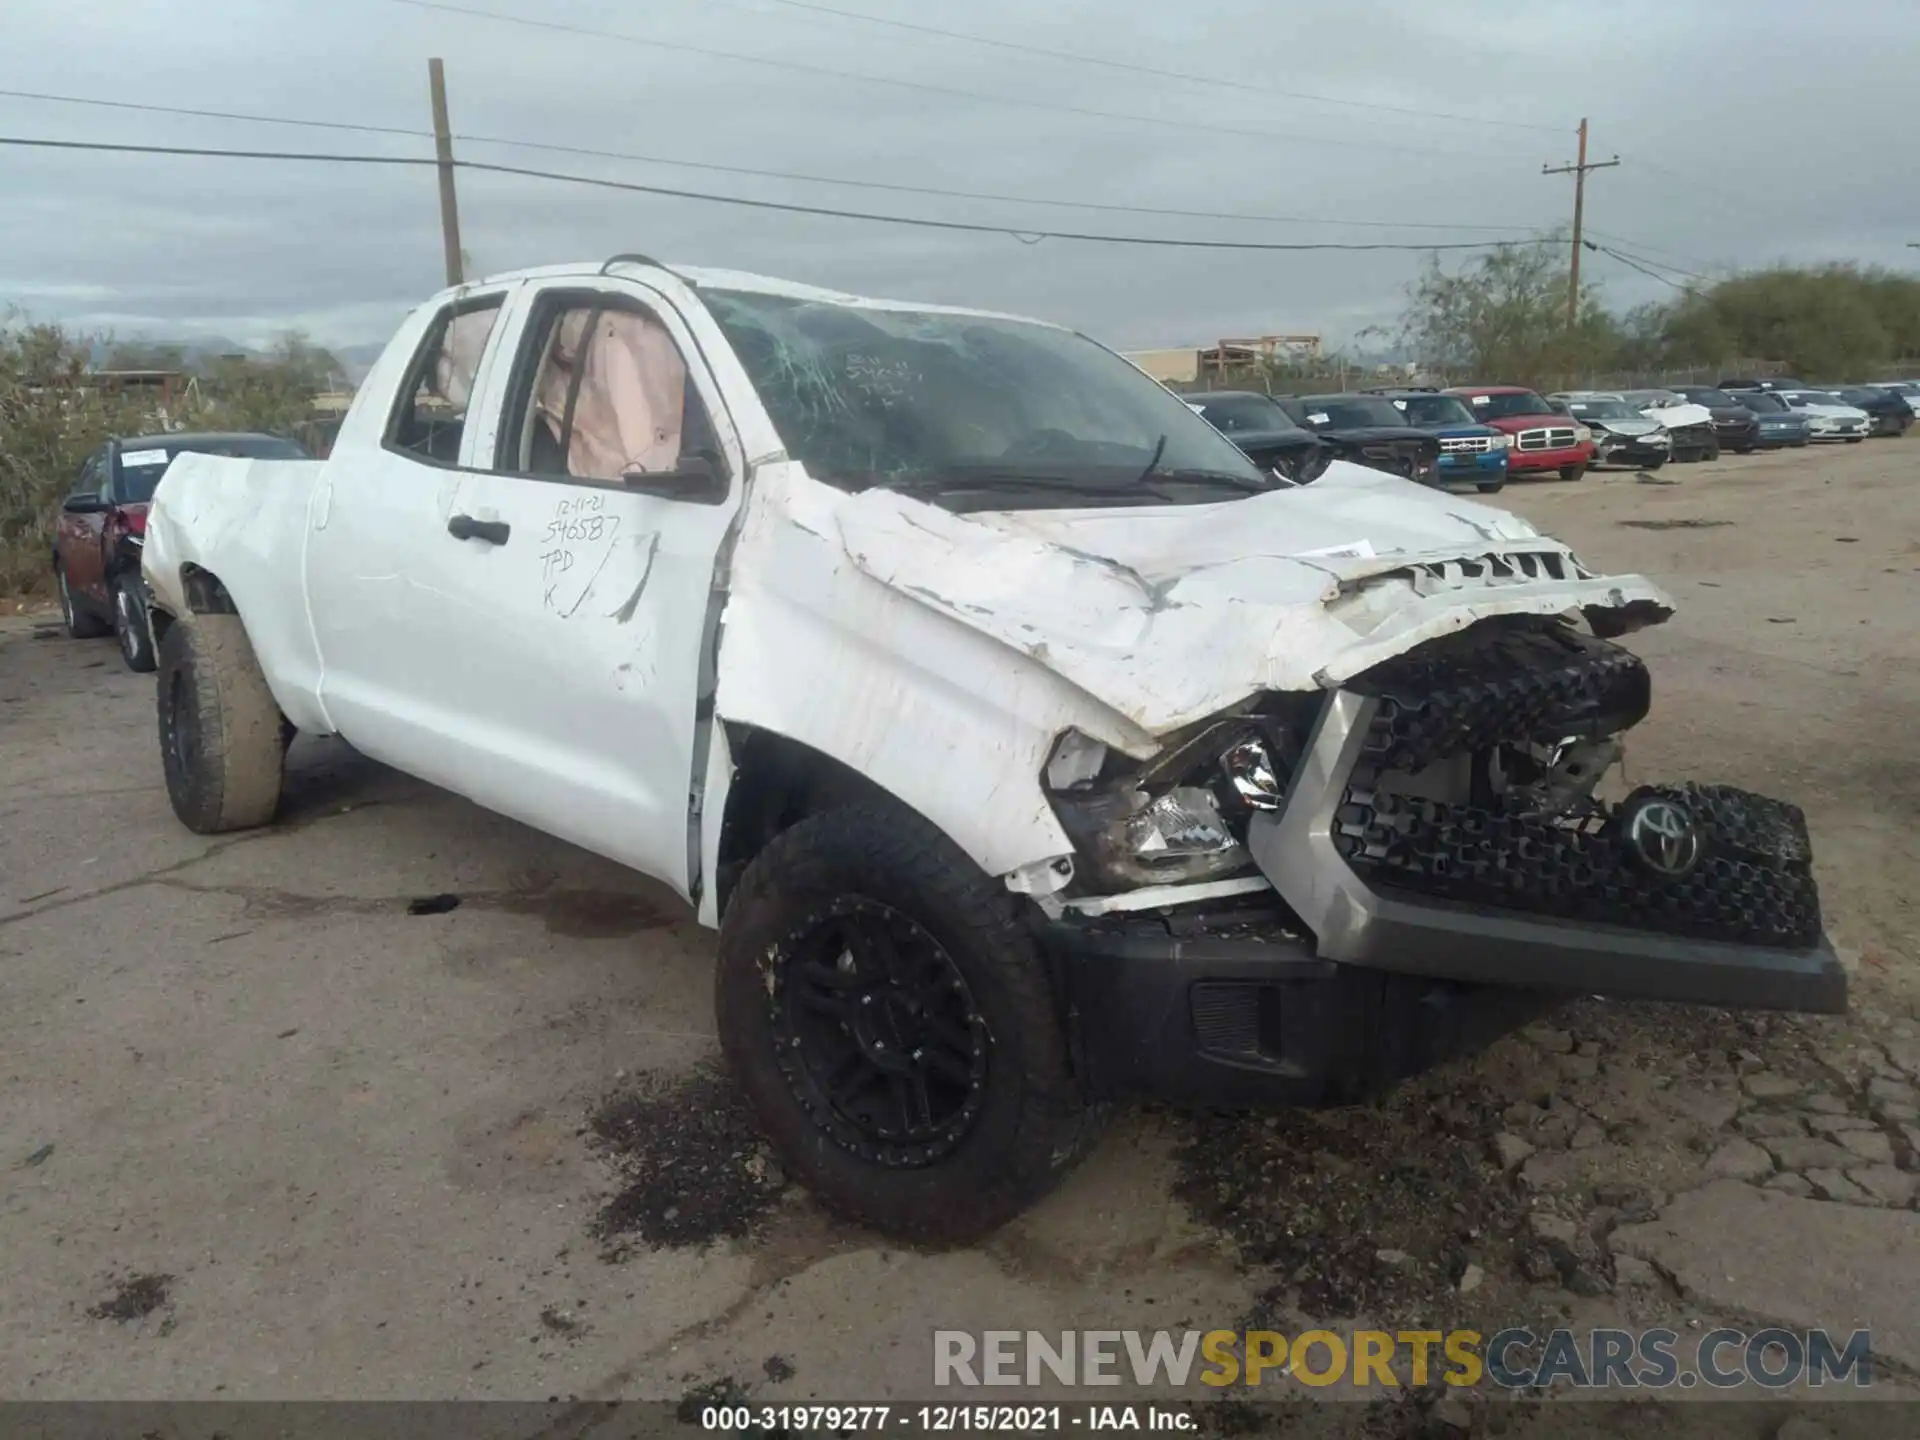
x=581, y=546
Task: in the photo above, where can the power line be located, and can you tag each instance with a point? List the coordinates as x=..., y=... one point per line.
x=1204, y=126
x=1656, y=249
x=973, y=227
x=766, y=174
x=1657, y=264
x=1106, y=207
x=214, y=114
x=1635, y=265
x=1211, y=82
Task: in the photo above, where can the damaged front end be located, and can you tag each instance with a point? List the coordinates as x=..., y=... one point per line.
x=1442, y=864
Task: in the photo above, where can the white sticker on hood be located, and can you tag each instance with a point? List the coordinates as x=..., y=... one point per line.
x=138, y=458
x=1318, y=417
x=1356, y=550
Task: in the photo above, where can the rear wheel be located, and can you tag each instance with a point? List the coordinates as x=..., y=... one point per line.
x=1572, y=472
x=131, y=625
x=890, y=1019
x=81, y=624
x=220, y=730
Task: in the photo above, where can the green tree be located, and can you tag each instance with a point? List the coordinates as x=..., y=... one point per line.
x=1833, y=322
x=1502, y=317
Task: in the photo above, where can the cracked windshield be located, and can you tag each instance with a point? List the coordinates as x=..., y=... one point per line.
x=959, y=408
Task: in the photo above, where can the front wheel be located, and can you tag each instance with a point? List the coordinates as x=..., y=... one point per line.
x=131, y=625
x=220, y=730
x=1854, y=439
x=890, y=1021
x=1711, y=453
x=1492, y=487
x=1655, y=463
x=1572, y=472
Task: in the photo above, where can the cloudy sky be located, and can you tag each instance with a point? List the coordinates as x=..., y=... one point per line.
x=1749, y=132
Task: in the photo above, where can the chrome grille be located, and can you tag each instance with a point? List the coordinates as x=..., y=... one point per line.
x=1466, y=445
x=1554, y=437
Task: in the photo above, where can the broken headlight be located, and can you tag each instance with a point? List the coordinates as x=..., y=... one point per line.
x=1179, y=819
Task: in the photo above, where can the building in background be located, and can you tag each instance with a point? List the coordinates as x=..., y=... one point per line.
x=1183, y=365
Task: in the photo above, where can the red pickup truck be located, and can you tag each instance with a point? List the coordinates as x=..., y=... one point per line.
x=103, y=525
x=1543, y=439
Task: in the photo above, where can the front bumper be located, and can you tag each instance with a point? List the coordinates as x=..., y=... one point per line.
x=1737, y=434
x=1230, y=1008
x=1477, y=466
x=1775, y=437
x=1351, y=984
x=1520, y=462
x=1630, y=450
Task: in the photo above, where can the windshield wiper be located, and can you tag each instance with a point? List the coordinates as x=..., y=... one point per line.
x=1159, y=449
x=1243, y=482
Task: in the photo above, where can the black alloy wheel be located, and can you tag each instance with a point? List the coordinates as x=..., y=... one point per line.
x=877, y=1035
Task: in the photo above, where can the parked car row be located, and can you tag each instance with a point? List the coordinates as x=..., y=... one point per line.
x=1482, y=434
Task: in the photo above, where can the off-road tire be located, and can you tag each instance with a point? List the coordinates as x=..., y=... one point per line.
x=1573, y=472
x=1034, y=1123
x=219, y=727
x=81, y=624
x=131, y=625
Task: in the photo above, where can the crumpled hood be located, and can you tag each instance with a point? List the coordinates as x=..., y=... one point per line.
x=1674, y=416
x=1171, y=614
x=1623, y=426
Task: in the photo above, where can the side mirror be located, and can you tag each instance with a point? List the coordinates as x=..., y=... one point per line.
x=84, y=505
x=700, y=478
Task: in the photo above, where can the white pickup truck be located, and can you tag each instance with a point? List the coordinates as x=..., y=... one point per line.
x=1028, y=746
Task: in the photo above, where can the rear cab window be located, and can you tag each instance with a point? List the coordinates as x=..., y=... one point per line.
x=430, y=415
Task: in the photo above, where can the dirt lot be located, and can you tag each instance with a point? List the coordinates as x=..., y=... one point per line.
x=265, y=1133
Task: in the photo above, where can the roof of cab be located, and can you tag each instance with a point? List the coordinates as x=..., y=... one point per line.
x=701, y=278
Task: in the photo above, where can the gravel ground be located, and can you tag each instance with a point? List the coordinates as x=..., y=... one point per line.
x=269, y=1127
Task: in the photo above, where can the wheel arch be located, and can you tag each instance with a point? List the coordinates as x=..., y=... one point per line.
x=774, y=782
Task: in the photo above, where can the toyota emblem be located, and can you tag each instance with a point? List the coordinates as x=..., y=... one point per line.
x=1662, y=837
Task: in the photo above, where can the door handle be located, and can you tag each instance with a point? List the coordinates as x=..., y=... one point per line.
x=492, y=532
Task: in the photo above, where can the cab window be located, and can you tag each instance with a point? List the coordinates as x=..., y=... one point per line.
x=431, y=413
x=602, y=394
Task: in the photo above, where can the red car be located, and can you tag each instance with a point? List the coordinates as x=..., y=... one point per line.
x=96, y=548
x=1543, y=438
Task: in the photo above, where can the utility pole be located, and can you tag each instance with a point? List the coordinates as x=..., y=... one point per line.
x=1578, y=170
x=443, y=152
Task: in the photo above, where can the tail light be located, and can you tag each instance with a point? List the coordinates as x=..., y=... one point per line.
x=135, y=521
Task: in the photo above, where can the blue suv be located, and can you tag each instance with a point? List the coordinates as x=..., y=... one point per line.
x=1468, y=449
